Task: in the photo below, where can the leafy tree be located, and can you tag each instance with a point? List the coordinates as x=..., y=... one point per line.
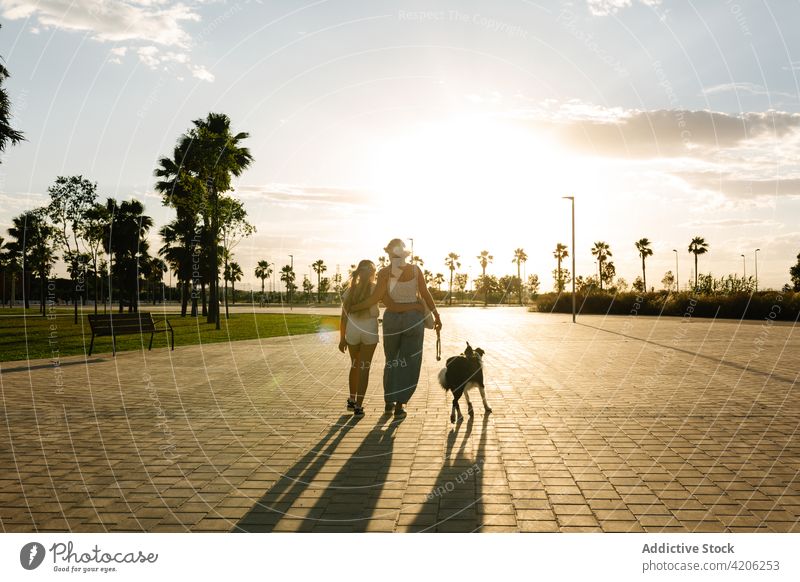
x=71, y=198
x=602, y=251
x=452, y=263
x=534, y=284
x=560, y=254
x=668, y=281
x=319, y=268
x=32, y=245
x=8, y=135
x=643, y=247
x=510, y=285
x=638, y=284
x=697, y=247
x=234, y=227
x=607, y=273
x=561, y=277
x=794, y=273
x=519, y=258
x=308, y=287
x=324, y=286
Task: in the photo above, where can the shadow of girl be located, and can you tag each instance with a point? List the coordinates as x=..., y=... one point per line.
x=348, y=504
x=279, y=502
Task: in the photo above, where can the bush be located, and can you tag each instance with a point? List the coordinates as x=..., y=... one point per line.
x=778, y=305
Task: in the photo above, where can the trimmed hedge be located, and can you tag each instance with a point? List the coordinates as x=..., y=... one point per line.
x=777, y=305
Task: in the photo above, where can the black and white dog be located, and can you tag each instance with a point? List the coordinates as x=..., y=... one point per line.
x=460, y=375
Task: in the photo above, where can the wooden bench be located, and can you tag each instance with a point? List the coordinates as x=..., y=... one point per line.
x=114, y=324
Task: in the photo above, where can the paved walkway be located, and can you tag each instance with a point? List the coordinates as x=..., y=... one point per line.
x=621, y=424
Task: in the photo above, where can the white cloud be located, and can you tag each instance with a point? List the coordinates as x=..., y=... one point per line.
x=109, y=20
x=202, y=73
x=156, y=25
x=605, y=7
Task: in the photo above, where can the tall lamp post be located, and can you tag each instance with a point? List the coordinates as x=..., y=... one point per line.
x=291, y=283
x=756, y=254
x=572, y=200
x=677, y=281
x=744, y=268
x=413, y=261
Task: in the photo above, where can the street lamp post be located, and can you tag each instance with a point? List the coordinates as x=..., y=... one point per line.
x=572, y=200
x=291, y=283
x=677, y=281
x=756, y=255
x=744, y=268
x=413, y=261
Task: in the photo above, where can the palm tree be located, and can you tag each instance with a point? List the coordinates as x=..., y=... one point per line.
x=263, y=271
x=602, y=251
x=383, y=261
x=235, y=274
x=643, y=246
x=438, y=279
x=560, y=254
x=181, y=250
x=33, y=251
x=210, y=155
x=288, y=276
x=519, y=258
x=698, y=246
x=451, y=262
x=155, y=275
x=319, y=268
x=7, y=134
x=415, y=260
x=126, y=241
x=484, y=259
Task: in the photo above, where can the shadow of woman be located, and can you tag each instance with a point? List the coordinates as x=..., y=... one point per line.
x=279, y=501
x=348, y=503
x=453, y=503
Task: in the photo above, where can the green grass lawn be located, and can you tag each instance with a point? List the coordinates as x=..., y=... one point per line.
x=32, y=337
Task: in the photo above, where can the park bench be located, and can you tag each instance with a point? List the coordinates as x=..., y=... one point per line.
x=125, y=324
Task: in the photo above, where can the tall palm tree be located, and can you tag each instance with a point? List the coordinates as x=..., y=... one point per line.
x=8, y=135
x=697, y=247
x=415, y=260
x=235, y=274
x=383, y=261
x=519, y=258
x=182, y=250
x=451, y=262
x=288, y=276
x=319, y=268
x=438, y=279
x=602, y=251
x=560, y=254
x=263, y=271
x=209, y=156
x=484, y=259
x=643, y=246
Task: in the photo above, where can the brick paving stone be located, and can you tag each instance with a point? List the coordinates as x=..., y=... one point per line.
x=617, y=424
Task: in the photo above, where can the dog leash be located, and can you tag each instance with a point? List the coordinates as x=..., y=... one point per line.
x=438, y=346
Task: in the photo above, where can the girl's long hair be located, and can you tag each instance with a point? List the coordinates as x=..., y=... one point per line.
x=360, y=284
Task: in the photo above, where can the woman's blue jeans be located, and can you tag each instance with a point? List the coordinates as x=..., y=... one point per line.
x=402, y=345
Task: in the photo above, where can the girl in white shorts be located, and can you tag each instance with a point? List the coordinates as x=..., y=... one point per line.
x=359, y=332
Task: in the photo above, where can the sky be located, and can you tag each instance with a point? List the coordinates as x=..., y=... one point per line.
x=458, y=124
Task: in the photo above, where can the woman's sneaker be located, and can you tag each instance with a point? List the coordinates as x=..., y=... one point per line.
x=351, y=404
x=358, y=411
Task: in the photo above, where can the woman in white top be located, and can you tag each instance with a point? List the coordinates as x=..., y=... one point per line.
x=359, y=331
x=402, y=289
